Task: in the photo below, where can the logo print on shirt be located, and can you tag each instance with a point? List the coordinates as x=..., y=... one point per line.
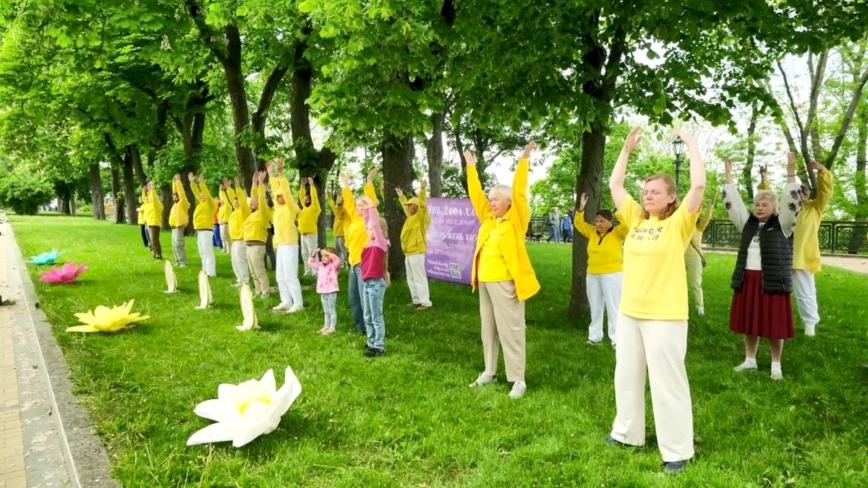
x=645, y=233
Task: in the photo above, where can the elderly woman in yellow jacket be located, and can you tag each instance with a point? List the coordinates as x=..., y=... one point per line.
x=203, y=222
x=178, y=219
x=153, y=209
x=236, y=231
x=414, y=244
x=286, y=238
x=357, y=238
x=223, y=214
x=502, y=271
x=307, y=223
x=255, y=234
x=603, y=278
x=338, y=226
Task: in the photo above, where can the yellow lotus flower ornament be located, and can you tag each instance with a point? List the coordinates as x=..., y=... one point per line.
x=171, y=280
x=103, y=319
x=204, y=291
x=246, y=411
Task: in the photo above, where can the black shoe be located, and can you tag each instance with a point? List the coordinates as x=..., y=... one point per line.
x=372, y=352
x=615, y=442
x=675, y=466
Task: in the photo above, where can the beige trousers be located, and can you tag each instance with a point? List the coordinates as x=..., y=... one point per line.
x=224, y=236
x=694, y=278
x=256, y=262
x=659, y=345
x=502, y=317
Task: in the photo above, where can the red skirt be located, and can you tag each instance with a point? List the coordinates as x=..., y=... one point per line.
x=756, y=313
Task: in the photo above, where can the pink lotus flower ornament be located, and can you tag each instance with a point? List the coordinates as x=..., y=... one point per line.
x=65, y=275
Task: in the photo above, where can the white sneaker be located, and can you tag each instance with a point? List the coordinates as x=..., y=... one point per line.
x=745, y=367
x=777, y=375
x=810, y=330
x=483, y=380
x=293, y=309
x=518, y=389
x=700, y=312
x=281, y=307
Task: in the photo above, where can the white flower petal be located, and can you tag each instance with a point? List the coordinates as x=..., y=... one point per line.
x=218, y=411
x=227, y=392
x=249, y=434
x=213, y=433
x=268, y=382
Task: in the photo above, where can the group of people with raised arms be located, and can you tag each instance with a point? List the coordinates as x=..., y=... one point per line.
x=638, y=271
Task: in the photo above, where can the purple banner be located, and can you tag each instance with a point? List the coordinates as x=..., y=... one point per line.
x=451, y=239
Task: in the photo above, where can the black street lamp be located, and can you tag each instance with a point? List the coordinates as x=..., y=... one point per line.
x=678, y=150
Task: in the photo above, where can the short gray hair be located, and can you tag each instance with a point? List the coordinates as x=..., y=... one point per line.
x=504, y=191
x=768, y=196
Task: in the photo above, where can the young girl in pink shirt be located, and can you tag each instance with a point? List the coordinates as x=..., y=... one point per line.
x=327, y=265
x=373, y=278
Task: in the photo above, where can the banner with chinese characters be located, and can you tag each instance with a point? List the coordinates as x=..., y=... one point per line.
x=451, y=239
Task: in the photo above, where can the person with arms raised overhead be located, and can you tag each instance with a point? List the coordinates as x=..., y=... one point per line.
x=652, y=323
x=357, y=238
x=153, y=209
x=307, y=222
x=179, y=217
x=414, y=244
x=236, y=231
x=502, y=271
x=203, y=222
x=256, y=232
x=286, y=236
x=338, y=226
x=223, y=214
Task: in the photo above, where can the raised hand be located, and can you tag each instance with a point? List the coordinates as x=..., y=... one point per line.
x=528, y=149
x=469, y=158
x=373, y=174
x=727, y=165
x=791, y=164
x=345, y=180
x=280, y=166
x=633, y=139
x=763, y=171
x=685, y=136
x=226, y=183
x=423, y=183
x=399, y=191
x=582, y=202
x=815, y=166
x=201, y=178
x=268, y=167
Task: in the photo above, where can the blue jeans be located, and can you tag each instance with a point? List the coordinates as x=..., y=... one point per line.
x=554, y=233
x=216, y=240
x=357, y=297
x=375, y=326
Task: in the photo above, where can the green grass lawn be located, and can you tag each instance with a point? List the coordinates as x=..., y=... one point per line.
x=408, y=418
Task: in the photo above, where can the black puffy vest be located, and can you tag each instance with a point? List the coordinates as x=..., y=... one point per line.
x=776, y=253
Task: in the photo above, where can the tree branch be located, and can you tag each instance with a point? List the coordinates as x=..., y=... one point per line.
x=802, y=133
x=848, y=118
x=205, y=33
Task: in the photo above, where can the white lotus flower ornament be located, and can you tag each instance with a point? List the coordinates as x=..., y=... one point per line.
x=246, y=411
x=171, y=280
x=204, y=291
x=247, y=309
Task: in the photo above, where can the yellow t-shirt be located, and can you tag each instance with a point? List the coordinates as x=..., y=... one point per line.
x=604, y=252
x=492, y=265
x=655, y=281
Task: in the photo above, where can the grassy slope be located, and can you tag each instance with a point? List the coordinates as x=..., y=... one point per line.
x=408, y=418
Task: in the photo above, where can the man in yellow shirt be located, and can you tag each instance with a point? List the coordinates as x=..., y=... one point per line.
x=153, y=210
x=806, y=247
x=286, y=238
x=236, y=230
x=307, y=222
x=414, y=244
x=178, y=220
x=223, y=215
x=203, y=220
x=256, y=233
x=338, y=227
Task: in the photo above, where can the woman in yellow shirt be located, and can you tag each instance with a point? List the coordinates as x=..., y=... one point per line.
x=357, y=238
x=307, y=223
x=603, y=280
x=338, y=227
x=236, y=231
x=693, y=258
x=652, y=324
x=153, y=209
x=502, y=271
x=203, y=223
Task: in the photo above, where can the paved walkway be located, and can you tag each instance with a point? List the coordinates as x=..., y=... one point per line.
x=857, y=264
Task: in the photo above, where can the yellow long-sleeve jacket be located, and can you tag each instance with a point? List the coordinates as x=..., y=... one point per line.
x=356, y=235
x=203, y=216
x=340, y=217
x=415, y=228
x=153, y=210
x=605, y=252
x=285, y=231
x=239, y=215
x=141, y=213
x=695, y=246
x=511, y=235
x=806, y=241
x=309, y=214
x=226, y=209
x=179, y=215
x=256, y=224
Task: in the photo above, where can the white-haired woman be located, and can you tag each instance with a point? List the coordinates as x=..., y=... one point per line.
x=652, y=318
x=762, y=279
x=502, y=271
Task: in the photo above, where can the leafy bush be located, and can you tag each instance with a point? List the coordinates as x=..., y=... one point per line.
x=23, y=191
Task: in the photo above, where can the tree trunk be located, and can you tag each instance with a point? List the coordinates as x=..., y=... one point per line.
x=129, y=187
x=136, y=159
x=96, y=195
x=434, y=146
x=751, y=150
x=118, y=196
x=232, y=67
x=860, y=184
x=260, y=116
x=64, y=203
x=398, y=153
x=589, y=182
x=165, y=197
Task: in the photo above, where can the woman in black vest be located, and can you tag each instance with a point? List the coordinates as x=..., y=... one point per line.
x=762, y=279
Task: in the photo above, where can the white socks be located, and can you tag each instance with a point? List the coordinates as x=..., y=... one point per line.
x=749, y=364
x=777, y=374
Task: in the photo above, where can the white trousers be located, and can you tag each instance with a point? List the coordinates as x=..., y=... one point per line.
x=417, y=279
x=604, y=292
x=178, y=248
x=224, y=236
x=660, y=346
x=806, y=296
x=308, y=246
x=239, y=261
x=206, y=251
x=287, y=275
